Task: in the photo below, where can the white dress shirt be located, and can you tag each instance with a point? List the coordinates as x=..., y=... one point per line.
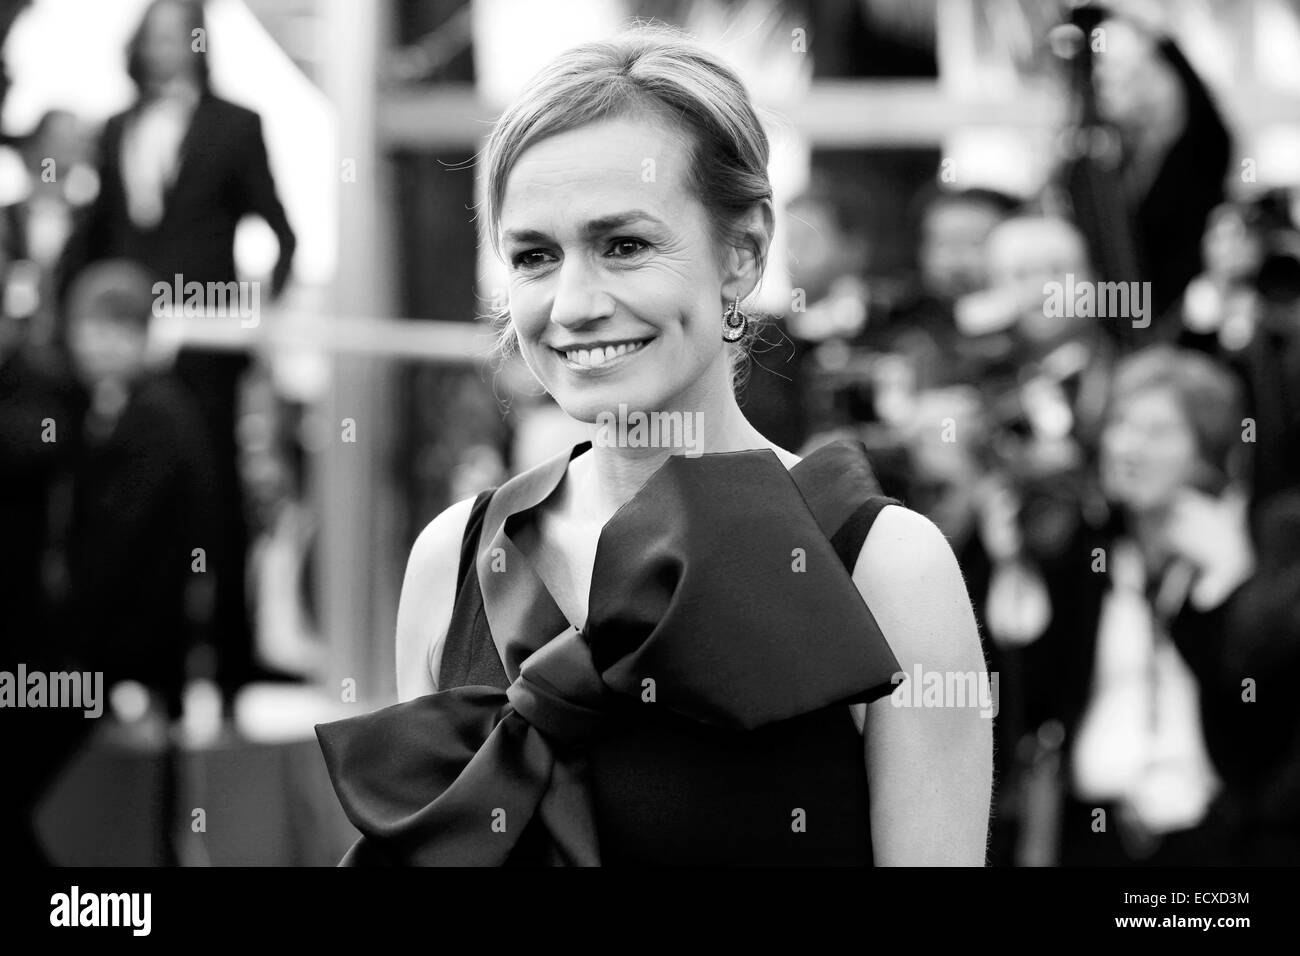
x=1140, y=741
x=151, y=151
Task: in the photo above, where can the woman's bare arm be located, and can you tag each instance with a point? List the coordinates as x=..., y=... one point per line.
x=428, y=593
x=930, y=768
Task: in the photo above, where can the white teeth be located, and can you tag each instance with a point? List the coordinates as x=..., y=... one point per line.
x=593, y=358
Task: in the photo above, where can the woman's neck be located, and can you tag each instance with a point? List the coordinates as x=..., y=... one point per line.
x=618, y=465
x=1147, y=528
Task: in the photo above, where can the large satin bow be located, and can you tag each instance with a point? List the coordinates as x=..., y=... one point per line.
x=716, y=587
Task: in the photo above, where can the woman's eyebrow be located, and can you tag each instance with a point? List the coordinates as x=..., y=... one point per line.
x=525, y=235
x=618, y=220
x=593, y=227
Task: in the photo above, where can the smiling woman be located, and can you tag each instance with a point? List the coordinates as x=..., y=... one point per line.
x=585, y=281
x=640, y=654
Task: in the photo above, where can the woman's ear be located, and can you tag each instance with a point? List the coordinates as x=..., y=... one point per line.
x=748, y=257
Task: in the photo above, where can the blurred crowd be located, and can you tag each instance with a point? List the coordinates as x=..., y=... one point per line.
x=1095, y=392
x=133, y=483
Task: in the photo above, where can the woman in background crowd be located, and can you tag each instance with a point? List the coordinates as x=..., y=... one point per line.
x=1135, y=665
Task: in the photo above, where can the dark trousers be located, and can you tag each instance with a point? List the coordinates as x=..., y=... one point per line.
x=213, y=379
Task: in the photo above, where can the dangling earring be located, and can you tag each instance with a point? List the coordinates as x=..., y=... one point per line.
x=734, y=323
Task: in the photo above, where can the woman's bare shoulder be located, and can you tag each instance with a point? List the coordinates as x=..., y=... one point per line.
x=899, y=532
x=428, y=593
x=909, y=576
x=439, y=542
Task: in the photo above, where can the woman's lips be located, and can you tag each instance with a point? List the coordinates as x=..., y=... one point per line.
x=601, y=355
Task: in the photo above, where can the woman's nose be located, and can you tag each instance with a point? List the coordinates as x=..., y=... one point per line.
x=578, y=297
x=1127, y=442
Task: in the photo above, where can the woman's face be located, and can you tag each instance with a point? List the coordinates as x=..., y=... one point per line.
x=615, y=280
x=1148, y=451
x=165, y=44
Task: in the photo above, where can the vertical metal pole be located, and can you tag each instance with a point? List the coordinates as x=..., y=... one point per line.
x=357, y=500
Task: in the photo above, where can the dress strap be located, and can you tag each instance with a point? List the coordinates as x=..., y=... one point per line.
x=469, y=541
x=468, y=655
x=852, y=534
x=841, y=490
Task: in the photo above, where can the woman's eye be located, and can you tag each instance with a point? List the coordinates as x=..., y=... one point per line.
x=528, y=260
x=624, y=248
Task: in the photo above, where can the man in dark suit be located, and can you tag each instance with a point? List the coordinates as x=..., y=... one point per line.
x=178, y=171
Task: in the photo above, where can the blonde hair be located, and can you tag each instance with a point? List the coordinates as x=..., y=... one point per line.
x=1209, y=396
x=655, y=68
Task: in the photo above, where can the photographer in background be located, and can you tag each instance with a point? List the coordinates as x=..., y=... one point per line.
x=1244, y=310
x=954, y=227
x=1041, y=386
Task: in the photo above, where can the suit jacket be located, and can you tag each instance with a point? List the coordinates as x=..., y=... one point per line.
x=222, y=175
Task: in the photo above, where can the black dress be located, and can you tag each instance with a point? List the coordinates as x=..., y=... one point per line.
x=725, y=639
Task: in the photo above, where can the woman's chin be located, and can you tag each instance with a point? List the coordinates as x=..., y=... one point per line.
x=584, y=400
x=589, y=404
x=1139, y=500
